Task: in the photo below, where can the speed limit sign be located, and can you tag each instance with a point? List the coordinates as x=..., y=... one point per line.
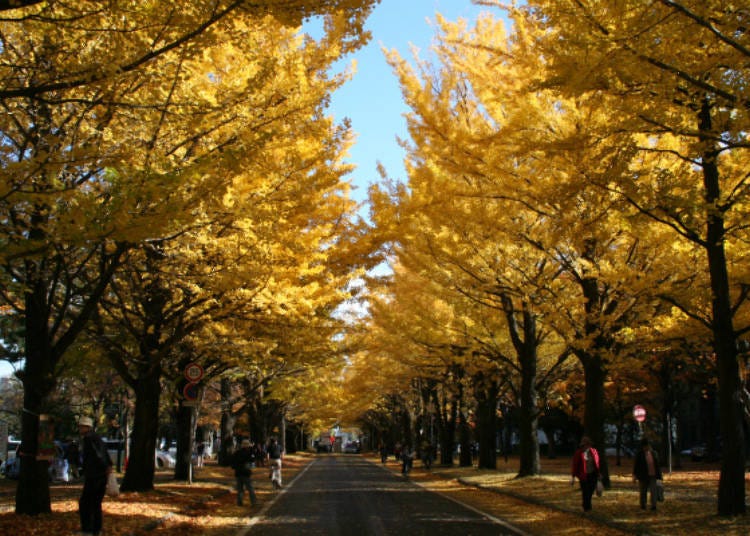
x=193, y=372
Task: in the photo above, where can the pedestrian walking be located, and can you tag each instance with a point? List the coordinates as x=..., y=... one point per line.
x=407, y=458
x=96, y=466
x=585, y=467
x=274, y=461
x=427, y=455
x=647, y=472
x=383, y=453
x=200, y=451
x=243, y=462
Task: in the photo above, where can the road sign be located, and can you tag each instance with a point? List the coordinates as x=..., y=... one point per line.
x=190, y=391
x=193, y=372
x=639, y=413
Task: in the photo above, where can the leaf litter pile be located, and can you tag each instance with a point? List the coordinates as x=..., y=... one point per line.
x=543, y=505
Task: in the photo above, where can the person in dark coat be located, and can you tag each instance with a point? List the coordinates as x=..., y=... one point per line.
x=96, y=466
x=243, y=462
x=585, y=467
x=646, y=471
x=407, y=458
x=73, y=455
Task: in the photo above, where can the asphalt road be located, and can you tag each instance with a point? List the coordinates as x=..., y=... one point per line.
x=347, y=495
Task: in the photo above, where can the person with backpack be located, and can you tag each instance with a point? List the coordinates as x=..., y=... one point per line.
x=243, y=462
x=96, y=466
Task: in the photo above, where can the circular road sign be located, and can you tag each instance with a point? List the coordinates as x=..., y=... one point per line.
x=193, y=372
x=639, y=413
x=190, y=391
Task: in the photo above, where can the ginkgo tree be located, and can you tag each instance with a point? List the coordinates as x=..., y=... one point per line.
x=494, y=184
x=675, y=75
x=115, y=131
x=270, y=253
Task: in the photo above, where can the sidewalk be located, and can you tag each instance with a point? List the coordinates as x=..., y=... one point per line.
x=548, y=505
x=207, y=507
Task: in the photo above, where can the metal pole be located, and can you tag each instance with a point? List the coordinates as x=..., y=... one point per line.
x=669, y=441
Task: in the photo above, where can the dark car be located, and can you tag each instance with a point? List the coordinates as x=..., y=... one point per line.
x=352, y=447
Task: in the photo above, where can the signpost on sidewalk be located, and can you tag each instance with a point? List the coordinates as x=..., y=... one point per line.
x=193, y=374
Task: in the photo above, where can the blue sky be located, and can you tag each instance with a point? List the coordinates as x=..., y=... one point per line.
x=372, y=99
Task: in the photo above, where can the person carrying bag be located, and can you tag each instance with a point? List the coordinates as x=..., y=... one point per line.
x=585, y=467
x=647, y=472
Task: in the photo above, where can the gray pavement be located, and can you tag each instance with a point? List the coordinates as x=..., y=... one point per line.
x=348, y=495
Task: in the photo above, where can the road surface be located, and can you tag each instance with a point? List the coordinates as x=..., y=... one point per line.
x=340, y=495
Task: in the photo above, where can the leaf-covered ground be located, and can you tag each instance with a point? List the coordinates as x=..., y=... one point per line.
x=205, y=507
x=544, y=505
x=548, y=505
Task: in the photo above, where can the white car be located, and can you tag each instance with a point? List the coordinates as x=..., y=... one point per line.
x=163, y=459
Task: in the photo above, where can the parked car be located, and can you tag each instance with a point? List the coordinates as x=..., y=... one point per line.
x=352, y=447
x=698, y=452
x=59, y=469
x=12, y=466
x=164, y=460
x=115, y=447
x=624, y=451
x=13, y=445
x=702, y=452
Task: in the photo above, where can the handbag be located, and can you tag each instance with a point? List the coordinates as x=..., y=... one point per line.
x=599, y=487
x=659, y=491
x=113, y=488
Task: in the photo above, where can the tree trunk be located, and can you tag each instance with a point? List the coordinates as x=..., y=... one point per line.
x=282, y=433
x=139, y=475
x=732, y=478
x=464, y=435
x=32, y=495
x=507, y=443
x=486, y=396
x=528, y=423
x=528, y=436
x=186, y=423
x=447, y=432
x=226, y=432
x=593, y=416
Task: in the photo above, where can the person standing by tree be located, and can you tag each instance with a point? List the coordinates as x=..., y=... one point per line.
x=646, y=471
x=96, y=466
x=586, y=467
x=243, y=462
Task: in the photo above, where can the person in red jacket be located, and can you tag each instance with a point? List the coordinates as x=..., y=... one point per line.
x=586, y=467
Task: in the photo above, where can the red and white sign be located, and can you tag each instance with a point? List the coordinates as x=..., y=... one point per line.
x=193, y=372
x=639, y=413
x=190, y=391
